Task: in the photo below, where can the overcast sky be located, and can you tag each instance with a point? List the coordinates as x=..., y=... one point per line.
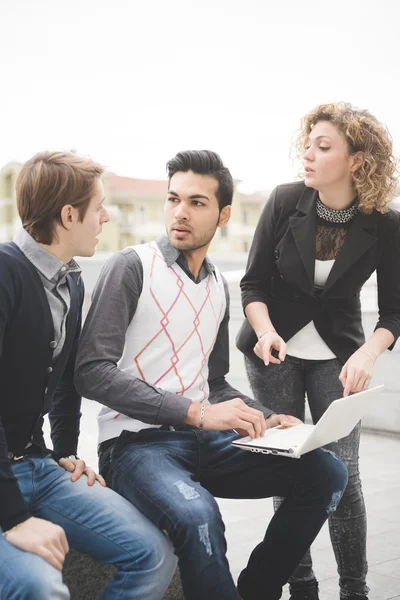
x=132, y=82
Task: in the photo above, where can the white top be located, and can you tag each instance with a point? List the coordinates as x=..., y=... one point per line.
x=307, y=343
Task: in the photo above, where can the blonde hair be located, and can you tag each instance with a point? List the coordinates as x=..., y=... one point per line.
x=376, y=179
x=49, y=181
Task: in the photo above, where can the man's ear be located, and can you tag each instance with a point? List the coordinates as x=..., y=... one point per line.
x=68, y=216
x=224, y=216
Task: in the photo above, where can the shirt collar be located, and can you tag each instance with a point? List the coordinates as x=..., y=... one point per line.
x=52, y=268
x=171, y=254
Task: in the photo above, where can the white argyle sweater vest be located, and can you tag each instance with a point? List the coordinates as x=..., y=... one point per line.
x=171, y=335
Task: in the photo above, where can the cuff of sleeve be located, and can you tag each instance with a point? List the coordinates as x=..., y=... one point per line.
x=59, y=455
x=173, y=409
x=255, y=298
x=65, y=445
x=64, y=453
x=13, y=509
x=390, y=327
x=10, y=522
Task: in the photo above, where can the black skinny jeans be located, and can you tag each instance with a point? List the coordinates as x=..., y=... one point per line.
x=283, y=388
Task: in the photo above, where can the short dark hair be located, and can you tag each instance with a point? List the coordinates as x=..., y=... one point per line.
x=205, y=162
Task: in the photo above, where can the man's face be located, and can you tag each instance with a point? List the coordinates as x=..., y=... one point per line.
x=192, y=212
x=84, y=233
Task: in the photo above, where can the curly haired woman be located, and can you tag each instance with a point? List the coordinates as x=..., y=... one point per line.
x=316, y=244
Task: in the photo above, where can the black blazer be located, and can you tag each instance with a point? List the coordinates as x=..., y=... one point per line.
x=280, y=273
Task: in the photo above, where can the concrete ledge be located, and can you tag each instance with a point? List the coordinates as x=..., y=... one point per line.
x=86, y=578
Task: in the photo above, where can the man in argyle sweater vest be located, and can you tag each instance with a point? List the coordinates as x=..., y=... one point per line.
x=154, y=352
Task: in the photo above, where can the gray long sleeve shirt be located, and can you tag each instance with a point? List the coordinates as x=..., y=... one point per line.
x=114, y=303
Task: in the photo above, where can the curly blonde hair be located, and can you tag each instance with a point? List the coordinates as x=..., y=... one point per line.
x=376, y=180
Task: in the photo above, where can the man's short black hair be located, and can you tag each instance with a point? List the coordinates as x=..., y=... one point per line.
x=205, y=162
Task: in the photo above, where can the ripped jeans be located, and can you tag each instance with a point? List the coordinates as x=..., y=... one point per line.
x=173, y=478
x=283, y=389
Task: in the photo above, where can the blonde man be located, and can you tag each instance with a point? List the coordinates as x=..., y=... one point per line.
x=52, y=499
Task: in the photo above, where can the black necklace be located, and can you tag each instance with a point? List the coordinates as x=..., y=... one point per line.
x=336, y=216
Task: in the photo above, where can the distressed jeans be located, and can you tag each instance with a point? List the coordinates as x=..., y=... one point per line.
x=283, y=388
x=173, y=478
x=97, y=521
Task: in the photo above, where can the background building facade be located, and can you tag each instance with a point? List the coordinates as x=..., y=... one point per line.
x=136, y=208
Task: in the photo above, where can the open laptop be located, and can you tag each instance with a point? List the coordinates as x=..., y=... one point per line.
x=337, y=421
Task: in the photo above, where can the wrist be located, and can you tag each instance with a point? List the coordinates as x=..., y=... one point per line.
x=5, y=533
x=265, y=333
x=371, y=355
x=193, y=414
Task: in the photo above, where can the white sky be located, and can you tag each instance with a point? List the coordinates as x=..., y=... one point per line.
x=132, y=82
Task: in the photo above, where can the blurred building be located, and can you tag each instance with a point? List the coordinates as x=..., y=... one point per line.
x=136, y=208
x=9, y=219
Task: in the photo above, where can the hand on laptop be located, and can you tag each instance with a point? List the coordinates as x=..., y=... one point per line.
x=356, y=374
x=231, y=414
x=283, y=421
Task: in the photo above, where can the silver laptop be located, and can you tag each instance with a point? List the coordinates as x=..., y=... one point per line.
x=337, y=421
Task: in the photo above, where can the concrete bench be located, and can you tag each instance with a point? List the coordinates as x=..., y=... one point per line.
x=86, y=578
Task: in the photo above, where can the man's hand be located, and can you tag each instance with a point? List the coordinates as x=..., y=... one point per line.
x=42, y=538
x=283, y=421
x=270, y=341
x=78, y=467
x=232, y=414
x=357, y=372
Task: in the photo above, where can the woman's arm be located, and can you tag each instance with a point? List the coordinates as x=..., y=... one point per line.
x=268, y=339
x=256, y=284
x=357, y=372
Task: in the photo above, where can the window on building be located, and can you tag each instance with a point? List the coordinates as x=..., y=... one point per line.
x=142, y=215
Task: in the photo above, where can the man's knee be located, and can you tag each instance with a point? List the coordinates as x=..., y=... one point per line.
x=199, y=526
x=40, y=581
x=337, y=478
x=325, y=477
x=155, y=552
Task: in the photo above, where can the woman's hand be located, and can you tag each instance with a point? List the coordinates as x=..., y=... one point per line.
x=269, y=341
x=357, y=372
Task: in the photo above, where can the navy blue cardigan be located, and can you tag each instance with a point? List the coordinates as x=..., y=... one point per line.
x=30, y=385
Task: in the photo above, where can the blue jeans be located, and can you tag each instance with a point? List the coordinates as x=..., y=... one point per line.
x=283, y=388
x=26, y=576
x=98, y=522
x=173, y=478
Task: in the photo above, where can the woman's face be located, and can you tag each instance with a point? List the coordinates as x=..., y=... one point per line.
x=327, y=162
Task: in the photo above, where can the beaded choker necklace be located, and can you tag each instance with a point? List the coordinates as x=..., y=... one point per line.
x=336, y=216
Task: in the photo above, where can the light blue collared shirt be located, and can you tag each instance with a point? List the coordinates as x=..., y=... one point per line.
x=53, y=273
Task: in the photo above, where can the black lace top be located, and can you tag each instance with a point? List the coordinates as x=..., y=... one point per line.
x=332, y=228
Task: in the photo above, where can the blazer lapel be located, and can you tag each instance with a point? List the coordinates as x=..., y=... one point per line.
x=48, y=322
x=360, y=238
x=73, y=312
x=303, y=226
